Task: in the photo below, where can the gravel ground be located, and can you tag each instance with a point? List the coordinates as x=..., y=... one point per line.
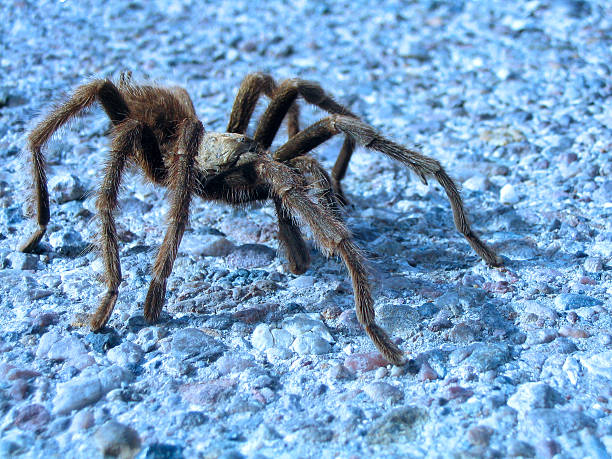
x=248, y=360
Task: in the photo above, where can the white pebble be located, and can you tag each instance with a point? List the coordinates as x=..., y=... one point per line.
x=508, y=194
x=261, y=338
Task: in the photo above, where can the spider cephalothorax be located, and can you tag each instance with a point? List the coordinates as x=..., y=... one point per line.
x=157, y=129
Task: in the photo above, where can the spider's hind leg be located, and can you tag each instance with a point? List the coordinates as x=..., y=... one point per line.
x=83, y=97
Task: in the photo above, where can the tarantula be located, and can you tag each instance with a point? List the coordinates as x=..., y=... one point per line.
x=157, y=129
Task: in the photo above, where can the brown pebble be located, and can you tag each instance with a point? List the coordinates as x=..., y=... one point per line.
x=32, y=417
x=368, y=361
x=480, y=435
x=426, y=373
x=571, y=332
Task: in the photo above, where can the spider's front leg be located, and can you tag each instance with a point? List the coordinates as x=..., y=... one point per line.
x=331, y=233
x=83, y=97
x=181, y=185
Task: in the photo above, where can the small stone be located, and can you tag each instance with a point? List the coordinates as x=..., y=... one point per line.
x=162, y=451
x=302, y=282
x=476, y=183
x=407, y=423
x=86, y=389
x=45, y=343
x=508, y=194
x=593, y=265
x=380, y=373
x=572, y=332
x=359, y=363
x=208, y=392
x=542, y=336
x=599, y=364
x=117, y=440
x=380, y=391
x=340, y=372
x=566, y=301
x=460, y=393
x=82, y=420
x=194, y=344
x=32, y=417
x=67, y=242
x=547, y=449
x=299, y=324
x=23, y=261
x=250, y=256
x=517, y=448
x=534, y=395
x=549, y=422
x=65, y=188
x=480, y=435
x=262, y=338
x=205, y=245
x=127, y=353
x=193, y=419
x=67, y=348
x=102, y=342
x=311, y=343
x=426, y=373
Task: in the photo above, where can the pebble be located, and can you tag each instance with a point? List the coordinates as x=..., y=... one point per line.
x=360, y=363
x=262, y=338
x=573, y=332
x=88, y=388
x=32, y=417
x=599, y=364
x=127, y=353
x=66, y=348
x=534, y=395
x=380, y=391
x=480, y=435
x=194, y=344
x=114, y=439
x=566, y=301
x=548, y=422
x=162, y=451
x=208, y=392
x=65, y=188
x=593, y=264
x=249, y=256
x=23, y=261
x=508, y=194
x=406, y=422
x=205, y=245
x=310, y=343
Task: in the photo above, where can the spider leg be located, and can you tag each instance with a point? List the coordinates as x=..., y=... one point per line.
x=83, y=97
x=331, y=233
x=422, y=165
x=318, y=179
x=251, y=88
x=286, y=94
x=250, y=91
x=127, y=139
x=182, y=183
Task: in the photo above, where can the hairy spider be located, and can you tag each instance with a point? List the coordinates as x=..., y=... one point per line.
x=156, y=128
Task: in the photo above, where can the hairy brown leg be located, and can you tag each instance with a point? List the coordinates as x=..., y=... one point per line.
x=286, y=94
x=181, y=185
x=126, y=142
x=318, y=179
x=331, y=233
x=422, y=165
x=83, y=97
x=251, y=88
